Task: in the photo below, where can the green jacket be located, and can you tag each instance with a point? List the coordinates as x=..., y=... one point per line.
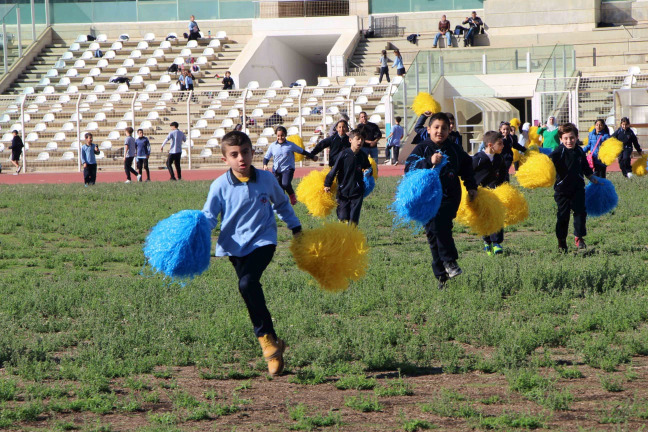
x=549, y=138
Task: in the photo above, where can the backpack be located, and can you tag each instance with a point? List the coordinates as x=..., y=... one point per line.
x=91, y=38
x=124, y=37
x=173, y=68
x=98, y=53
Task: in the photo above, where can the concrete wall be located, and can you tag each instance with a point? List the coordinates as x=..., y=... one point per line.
x=505, y=17
x=624, y=12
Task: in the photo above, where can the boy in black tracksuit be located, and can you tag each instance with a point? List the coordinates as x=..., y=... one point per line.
x=569, y=189
x=510, y=142
x=629, y=139
x=349, y=168
x=336, y=143
x=490, y=171
x=439, y=230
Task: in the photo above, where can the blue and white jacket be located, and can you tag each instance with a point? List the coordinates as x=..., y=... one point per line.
x=247, y=212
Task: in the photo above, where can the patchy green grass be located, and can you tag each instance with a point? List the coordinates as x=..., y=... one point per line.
x=87, y=328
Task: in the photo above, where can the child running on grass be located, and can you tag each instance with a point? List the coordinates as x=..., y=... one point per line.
x=143, y=154
x=349, y=169
x=246, y=200
x=426, y=155
x=627, y=136
x=491, y=171
x=130, y=151
x=283, y=167
x=569, y=189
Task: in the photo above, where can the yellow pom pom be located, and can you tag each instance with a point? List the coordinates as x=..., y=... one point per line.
x=585, y=141
x=333, y=254
x=592, y=128
x=517, y=208
x=484, y=215
x=374, y=168
x=610, y=150
x=297, y=140
x=310, y=191
x=516, y=156
x=424, y=102
x=639, y=166
x=533, y=134
x=515, y=122
x=538, y=171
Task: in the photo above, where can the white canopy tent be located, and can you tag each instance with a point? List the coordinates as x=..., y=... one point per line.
x=476, y=115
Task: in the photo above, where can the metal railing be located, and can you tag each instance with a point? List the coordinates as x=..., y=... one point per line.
x=19, y=30
x=300, y=8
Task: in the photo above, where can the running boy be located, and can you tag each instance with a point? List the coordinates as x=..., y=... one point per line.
x=130, y=150
x=349, y=169
x=88, y=160
x=569, y=190
x=283, y=152
x=16, y=150
x=426, y=155
x=336, y=143
x=629, y=139
x=176, y=137
x=143, y=154
x=393, y=143
x=490, y=171
x=246, y=200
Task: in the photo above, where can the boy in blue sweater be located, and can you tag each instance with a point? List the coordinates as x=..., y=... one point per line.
x=88, y=160
x=246, y=200
x=143, y=154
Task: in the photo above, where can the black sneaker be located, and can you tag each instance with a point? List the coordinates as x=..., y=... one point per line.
x=442, y=284
x=562, y=245
x=580, y=243
x=452, y=268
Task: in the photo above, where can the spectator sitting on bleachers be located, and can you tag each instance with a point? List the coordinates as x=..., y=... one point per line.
x=474, y=26
x=444, y=30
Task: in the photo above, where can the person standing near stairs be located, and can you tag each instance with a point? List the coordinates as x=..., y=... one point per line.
x=384, y=66
x=176, y=137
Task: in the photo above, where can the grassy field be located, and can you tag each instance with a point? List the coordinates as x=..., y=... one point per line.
x=90, y=340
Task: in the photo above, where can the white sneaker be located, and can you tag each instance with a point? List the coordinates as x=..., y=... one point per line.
x=127, y=181
x=630, y=175
x=388, y=162
x=139, y=177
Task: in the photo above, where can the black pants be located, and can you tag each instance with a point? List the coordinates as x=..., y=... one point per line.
x=348, y=209
x=439, y=236
x=90, y=174
x=625, y=161
x=285, y=180
x=395, y=151
x=174, y=158
x=128, y=167
x=400, y=71
x=249, y=270
x=193, y=36
x=143, y=163
x=384, y=70
x=498, y=237
x=566, y=204
x=600, y=169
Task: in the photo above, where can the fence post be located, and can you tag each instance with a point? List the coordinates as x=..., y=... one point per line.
x=190, y=95
x=48, y=18
x=441, y=67
x=574, y=59
x=78, y=129
x=22, y=131
x=416, y=74
x=484, y=64
x=4, y=44
x=20, y=53
x=33, y=19
x=594, y=56
x=299, y=105
x=517, y=60
x=564, y=59
x=404, y=84
x=323, y=130
x=133, y=111
x=429, y=71
x=553, y=64
x=528, y=56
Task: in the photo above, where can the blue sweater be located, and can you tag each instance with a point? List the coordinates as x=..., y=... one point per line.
x=143, y=147
x=591, y=142
x=283, y=154
x=88, y=154
x=247, y=212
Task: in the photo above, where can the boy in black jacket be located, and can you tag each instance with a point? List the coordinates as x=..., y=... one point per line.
x=335, y=143
x=349, y=168
x=491, y=171
x=569, y=190
x=629, y=139
x=439, y=230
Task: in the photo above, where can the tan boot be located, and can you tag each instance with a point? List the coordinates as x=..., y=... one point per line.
x=273, y=350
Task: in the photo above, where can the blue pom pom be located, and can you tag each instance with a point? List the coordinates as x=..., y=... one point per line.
x=370, y=184
x=600, y=198
x=545, y=150
x=180, y=245
x=418, y=196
